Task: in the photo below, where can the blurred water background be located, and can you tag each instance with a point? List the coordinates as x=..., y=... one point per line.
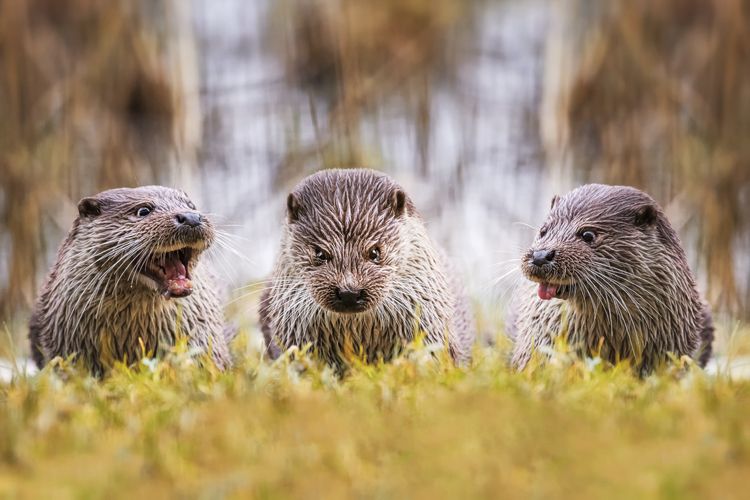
x=482, y=109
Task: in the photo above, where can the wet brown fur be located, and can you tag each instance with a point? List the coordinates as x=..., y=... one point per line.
x=629, y=294
x=96, y=305
x=343, y=215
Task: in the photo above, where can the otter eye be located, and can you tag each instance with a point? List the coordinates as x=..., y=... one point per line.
x=321, y=255
x=374, y=254
x=143, y=211
x=191, y=205
x=543, y=232
x=588, y=236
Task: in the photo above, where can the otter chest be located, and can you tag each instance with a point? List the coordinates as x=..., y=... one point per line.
x=133, y=331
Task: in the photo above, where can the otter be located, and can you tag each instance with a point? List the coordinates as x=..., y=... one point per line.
x=611, y=275
x=127, y=282
x=358, y=275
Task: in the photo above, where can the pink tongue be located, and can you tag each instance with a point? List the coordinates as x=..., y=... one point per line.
x=547, y=291
x=178, y=284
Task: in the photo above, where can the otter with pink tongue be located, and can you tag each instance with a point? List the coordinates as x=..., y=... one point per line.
x=128, y=283
x=611, y=275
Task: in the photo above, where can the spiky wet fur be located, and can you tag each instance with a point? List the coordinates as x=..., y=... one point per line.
x=633, y=295
x=412, y=290
x=95, y=305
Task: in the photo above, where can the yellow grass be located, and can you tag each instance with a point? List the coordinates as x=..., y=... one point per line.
x=417, y=428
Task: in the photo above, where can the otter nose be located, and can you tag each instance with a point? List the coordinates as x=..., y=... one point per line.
x=542, y=257
x=192, y=219
x=349, y=297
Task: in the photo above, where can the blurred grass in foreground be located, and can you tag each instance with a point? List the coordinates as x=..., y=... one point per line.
x=417, y=428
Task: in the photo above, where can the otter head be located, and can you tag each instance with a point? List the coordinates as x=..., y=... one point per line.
x=345, y=238
x=148, y=236
x=592, y=239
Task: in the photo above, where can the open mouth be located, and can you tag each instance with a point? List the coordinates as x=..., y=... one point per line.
x=548, y=291
x=171, y=272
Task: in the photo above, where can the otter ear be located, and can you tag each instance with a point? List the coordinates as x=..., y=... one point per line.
x=399, y=202
x=555, y=199
x=89, y=207
x=646, y=215
x=293, y=208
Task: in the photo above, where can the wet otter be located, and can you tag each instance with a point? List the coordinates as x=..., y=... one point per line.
x=357, y=274
x=109, y=294
x=619, y=272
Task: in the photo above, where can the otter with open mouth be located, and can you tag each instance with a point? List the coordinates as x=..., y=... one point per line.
x=128, y=282
x=170, y=272
x=611, y=275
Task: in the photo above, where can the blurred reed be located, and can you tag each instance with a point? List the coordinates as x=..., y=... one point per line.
x=657, y=95
x=654, y=94
x=358, y=57
x=93, y=96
